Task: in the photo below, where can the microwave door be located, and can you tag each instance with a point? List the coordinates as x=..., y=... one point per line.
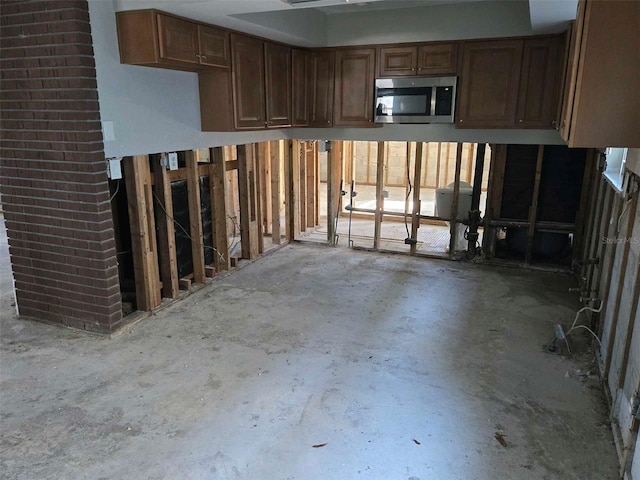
x=404, y=104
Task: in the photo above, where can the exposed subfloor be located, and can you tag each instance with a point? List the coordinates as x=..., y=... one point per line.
x=314, y=363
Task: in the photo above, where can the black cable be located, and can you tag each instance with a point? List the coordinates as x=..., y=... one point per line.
x=406, y=224
x=220, y=256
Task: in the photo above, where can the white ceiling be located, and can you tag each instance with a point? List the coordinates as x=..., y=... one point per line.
x=307, y=23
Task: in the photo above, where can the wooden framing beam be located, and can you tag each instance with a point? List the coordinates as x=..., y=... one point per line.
x=334, y=178
x=195, y=217
x=258, y=160
x=598, y=249
x=143, y=238
x=264, y=156
x=248, y=197
x=621, y=285
x=302, y=185
x=382, y=153
x=594, y=231
x=533, y=209
x=166, y=230
x=289, y=191
x=415, y=220
x=312, y=192
x=274, y=158
x=456, y=198
x=582, y=209
x=292, y=189
x=217, y=184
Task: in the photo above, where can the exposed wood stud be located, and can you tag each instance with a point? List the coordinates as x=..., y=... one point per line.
x=455, y=201
x=302, y=184
x=597, y=243
x=621, y=286
x=248, y=202
x=533, y=209
x=334, y=178
x=582, y=209
x=195, y=217
x=289, y=196
x=415, y=220
x=382, y=153
x=274, y=157
x=265, y=185
x=166, y=231
x=145, y=262
x=258, y=160
x=217, y=184
x=312, y=193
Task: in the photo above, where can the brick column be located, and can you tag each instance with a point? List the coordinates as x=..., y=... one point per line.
x=54, y=186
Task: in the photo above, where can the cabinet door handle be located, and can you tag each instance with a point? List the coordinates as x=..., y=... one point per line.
x=459, y=121
x=519, y=121
x=413, y=69
x=198, y=55
x=204, y=56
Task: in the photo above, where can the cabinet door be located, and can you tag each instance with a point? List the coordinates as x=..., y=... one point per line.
x=178, y=39
x=300, y=64
x=214, y=46
x=397, y=61
x=438, y=59
x=278, y=84
x=321, y=95
x=248, y=81
x=489, y=84
x=539, y=83
x=355, y=78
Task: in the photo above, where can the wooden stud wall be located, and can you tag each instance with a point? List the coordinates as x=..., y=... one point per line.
x=143, y=241
x=248, y=176
x=166, y=231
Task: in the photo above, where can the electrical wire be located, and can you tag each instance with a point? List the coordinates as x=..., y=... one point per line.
x=575, y=321
x=235, y=228
x=624, y=210
x=590, y=331
x=406, y=224
x=116, y=192
x=220, y=256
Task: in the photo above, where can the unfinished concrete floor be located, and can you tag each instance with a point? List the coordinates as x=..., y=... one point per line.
x=402, y=368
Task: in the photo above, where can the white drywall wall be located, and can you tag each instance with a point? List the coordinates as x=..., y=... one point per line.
x=438, y=22
x=152, y=109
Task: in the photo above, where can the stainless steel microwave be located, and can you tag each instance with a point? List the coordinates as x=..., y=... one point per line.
x=416, y=100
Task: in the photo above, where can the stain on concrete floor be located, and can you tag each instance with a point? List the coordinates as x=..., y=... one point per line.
x=405, y=368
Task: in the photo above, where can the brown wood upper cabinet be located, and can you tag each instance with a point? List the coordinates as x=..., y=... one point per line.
x=214, y=46
x=301, y=82
x=540, y=83
x=426, y=59
x=489, y=84
x=321, y=88
x=601, y=104
x=354, y=87
x=277, y=59
x=152, y=38
x=248, y=82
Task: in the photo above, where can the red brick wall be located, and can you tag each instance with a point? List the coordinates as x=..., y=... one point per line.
x=53, y=180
